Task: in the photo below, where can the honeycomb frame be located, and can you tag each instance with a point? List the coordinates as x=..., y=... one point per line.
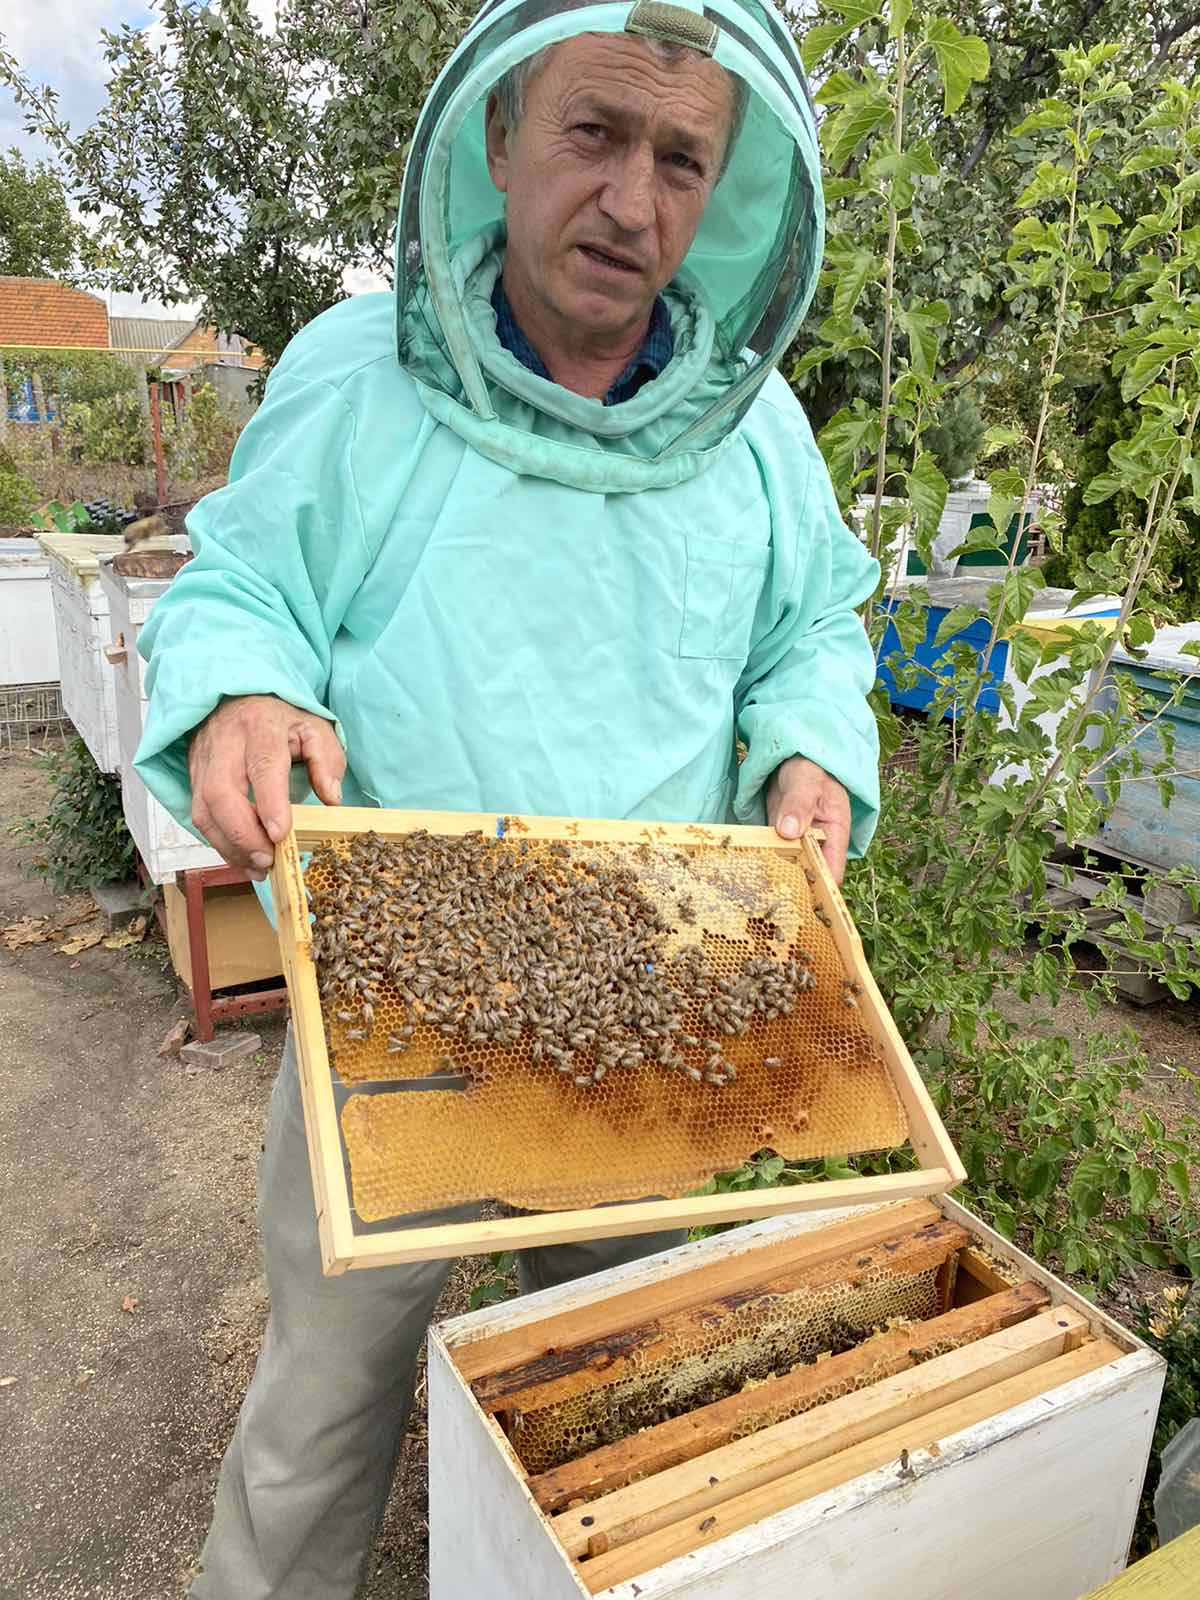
x=345, y=1244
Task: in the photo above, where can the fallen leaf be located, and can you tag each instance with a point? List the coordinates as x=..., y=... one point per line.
x=30, y=930
x=85, y=1376
x=6, y=1383
x=130, y=1303
x=82, y=941
x=82, y=913
x=175, y=1037
x=120, y=941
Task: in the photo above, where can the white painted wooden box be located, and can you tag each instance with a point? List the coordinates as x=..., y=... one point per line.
x=28, y=649
x=81, y=628
x=165, y=847
x=1008, y=1475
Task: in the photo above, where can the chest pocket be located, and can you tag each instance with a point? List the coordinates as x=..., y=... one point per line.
x=723, y=581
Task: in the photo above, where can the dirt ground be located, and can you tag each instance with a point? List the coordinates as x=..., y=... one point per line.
x=133, y=1300
x=129, y=1178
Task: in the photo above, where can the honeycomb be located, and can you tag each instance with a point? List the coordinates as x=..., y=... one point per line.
x=624, y=1019
x=764, y=1337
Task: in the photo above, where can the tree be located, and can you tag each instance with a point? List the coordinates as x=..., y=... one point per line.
x=38, y=236
x=968, y=170
x=245, y=168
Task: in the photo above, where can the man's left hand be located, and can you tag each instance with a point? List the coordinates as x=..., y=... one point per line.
x=802, y=795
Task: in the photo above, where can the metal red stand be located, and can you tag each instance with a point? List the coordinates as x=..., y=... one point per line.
x=209, y=1009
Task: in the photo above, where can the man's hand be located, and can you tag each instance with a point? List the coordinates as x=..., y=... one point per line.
x=801, y=795
x=250, y=742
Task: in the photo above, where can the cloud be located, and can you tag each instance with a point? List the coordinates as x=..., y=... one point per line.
x=57, y=42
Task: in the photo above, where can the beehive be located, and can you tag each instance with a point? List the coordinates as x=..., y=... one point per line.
x=591, y=1013
x=893, y=1400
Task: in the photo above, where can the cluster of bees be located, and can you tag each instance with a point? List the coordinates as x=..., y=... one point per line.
x=507, y=943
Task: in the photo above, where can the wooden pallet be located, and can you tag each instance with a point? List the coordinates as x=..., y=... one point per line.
x=1070, y=886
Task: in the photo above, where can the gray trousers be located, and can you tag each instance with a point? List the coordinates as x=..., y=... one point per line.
x=305, y=1479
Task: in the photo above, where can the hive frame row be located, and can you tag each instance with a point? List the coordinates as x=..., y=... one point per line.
x=939, y=1166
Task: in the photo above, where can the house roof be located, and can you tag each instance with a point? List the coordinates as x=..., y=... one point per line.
x=157, y=334
x=40, y=311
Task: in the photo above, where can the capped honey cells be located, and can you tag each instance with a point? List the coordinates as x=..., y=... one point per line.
x=613, y=1020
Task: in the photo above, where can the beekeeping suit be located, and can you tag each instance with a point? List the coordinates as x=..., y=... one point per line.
x=509, y=596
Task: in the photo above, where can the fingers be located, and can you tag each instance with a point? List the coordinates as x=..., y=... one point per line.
x=268, y=764
x=239, y=762
x=835, y=846
x=318, y=746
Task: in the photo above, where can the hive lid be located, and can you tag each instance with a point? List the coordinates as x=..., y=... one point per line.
x=592, y=1012
x=80, y=553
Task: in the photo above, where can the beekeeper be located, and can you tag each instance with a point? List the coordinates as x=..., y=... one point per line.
x=541, y=530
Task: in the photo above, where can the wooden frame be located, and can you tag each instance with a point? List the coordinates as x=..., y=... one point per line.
x=341, y=1247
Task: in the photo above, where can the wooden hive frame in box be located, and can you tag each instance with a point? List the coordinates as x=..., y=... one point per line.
x=344, y=1246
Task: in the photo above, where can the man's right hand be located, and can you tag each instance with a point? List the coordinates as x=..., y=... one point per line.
x=249, y=743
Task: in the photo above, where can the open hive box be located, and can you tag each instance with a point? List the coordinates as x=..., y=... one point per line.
x=887, y=1402
x=565, y=1017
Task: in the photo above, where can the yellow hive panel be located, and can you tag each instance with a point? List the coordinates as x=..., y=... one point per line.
x=622, y=1015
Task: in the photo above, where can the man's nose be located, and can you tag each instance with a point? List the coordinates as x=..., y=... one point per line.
x=628, y=197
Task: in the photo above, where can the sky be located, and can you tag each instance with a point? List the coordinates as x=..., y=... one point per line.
x=57, y=42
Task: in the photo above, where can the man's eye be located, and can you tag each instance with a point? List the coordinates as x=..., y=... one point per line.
x=685, y=163
x=592, y=130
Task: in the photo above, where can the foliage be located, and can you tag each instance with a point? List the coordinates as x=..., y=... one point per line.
x=954, y=439
x=63, y=516
x=69, y=377
x=1172, y=1326
x=210, y=433
x=244, y=167
x=969, y=163
x=17, y=495
x=499, y=1286
x=38, y=237
x=114, y=428
x=82, y=840
x=969, y=950
x=1089, y=529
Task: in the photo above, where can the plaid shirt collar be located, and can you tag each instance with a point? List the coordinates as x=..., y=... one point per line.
x=657, y=347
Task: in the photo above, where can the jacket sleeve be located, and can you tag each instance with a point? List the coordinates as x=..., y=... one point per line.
x=279, y=553
x=804, y=689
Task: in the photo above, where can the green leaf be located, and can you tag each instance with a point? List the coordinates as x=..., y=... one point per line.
x=1050, y=114
x=1089, y=1186
x=961, y=59
x=927, y=489
x=853, y=272
x=999, y=437
x=1180, y=1179
x=899, y=11
x=819, y=40
x=1154, y=155
x=843, y=133
x=955, y=620
x=1143, y=1187
x=923, y=341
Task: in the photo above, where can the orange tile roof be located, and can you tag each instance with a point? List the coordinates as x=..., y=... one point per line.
x=39, y=311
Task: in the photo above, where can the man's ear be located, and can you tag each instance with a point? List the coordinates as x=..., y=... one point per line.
x=498, y=137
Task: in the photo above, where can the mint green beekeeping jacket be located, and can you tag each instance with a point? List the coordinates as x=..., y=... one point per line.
x=509, y=597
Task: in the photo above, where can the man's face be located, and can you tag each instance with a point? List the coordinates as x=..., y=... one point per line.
x=607, y=176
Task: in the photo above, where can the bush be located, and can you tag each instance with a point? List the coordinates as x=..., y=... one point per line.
x=17, y=495
x=114, y=429
x=82, y=840
x=955, y=438
x=210, y=433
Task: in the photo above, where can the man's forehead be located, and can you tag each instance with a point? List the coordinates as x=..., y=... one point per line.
x=593, y=72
